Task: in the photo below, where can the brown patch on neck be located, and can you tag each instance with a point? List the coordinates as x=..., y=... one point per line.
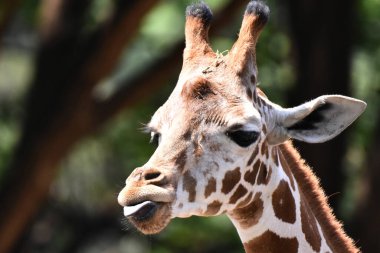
x=245, y=201
x=287, y=169
x=283, y=203
x=213, y=208
x=264, y=174
x=313, y=194
x=238, y=194
x=270, y=242
x=250, y=214
x=258, y=174
x=264, y=149
x=309, y=227
x=253, y=156
x=189, y=185
x=210, y=187
x=230, y=180
x=250, y=175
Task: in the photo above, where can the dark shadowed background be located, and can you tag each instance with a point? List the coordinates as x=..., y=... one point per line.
x=78, y=78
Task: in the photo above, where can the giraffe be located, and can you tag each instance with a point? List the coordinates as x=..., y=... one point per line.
x=224, y=148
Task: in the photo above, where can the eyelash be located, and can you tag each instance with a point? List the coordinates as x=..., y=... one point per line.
x=243, y=138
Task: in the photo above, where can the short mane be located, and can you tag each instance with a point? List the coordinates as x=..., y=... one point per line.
x=317, y=200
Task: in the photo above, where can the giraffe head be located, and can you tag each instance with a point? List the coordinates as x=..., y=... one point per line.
x=212, y=126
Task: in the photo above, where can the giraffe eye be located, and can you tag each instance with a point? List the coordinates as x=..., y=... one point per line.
x=243, y=138
x=155, y=138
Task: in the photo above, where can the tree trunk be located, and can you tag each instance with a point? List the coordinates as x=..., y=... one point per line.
x=322, y=34
x=60, y=108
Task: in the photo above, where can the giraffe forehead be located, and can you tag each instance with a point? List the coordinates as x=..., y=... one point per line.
x=207, y=90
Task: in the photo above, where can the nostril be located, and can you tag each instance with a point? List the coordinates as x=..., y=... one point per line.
x=151, y=175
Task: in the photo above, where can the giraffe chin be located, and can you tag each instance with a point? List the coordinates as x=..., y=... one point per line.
x=154, y=220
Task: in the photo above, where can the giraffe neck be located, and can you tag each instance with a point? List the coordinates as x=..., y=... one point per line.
x=279, y=216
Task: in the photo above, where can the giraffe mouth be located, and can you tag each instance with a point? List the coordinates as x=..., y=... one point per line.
x=142, y=211
x=149, y=217
x=148, y=208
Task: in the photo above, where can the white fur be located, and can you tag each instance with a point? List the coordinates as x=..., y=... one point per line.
x=343, y=112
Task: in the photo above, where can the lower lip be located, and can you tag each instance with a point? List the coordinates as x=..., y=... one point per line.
x=146, y=212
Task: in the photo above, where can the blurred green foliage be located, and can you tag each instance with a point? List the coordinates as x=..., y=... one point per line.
x=94, y=172
x=15, y=72
x=365, y=84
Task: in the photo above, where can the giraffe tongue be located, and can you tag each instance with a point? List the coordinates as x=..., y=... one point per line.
x=131, y=210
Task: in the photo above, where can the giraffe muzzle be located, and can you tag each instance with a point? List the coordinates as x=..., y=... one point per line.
x=147, y=207
x=147, y=199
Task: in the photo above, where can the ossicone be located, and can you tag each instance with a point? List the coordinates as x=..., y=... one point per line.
x=258, y=9
x=201, y=11
x=243, y=52
x=198, y=19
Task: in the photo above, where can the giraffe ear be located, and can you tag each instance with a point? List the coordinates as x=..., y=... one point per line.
x=316, y=121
